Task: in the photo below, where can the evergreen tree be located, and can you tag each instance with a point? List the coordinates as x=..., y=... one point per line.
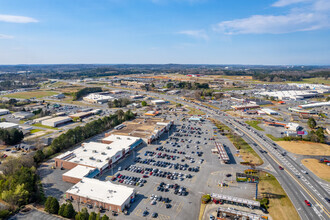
x=92, y=216
x=105, y=217
x=61, y=210
x=69, y=211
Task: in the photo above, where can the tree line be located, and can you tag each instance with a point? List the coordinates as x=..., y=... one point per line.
x=119, y=103
x=188, y=85
x=66, y=210
x=79, y=134
x=85, y=91
x=11, y=136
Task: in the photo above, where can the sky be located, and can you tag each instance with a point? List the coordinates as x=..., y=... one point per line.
x=262, y=32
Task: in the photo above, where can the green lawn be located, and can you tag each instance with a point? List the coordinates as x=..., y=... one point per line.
x=31, y=94
x=35, y=130
x=44, y=126
x=274, y=138
x=254, y=124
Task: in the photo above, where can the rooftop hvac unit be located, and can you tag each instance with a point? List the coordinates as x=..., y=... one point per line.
x=85, y=150
x=108, y=148
x=103, y=153
x=118, y=137
x=91, y=158
x=99, y=160
x=94, y=151
x=108, y=158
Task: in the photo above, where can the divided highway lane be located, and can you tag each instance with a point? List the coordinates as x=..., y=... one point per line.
x=291, y=190
x=310, y=191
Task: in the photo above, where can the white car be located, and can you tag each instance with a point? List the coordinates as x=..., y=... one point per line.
x=304, y=171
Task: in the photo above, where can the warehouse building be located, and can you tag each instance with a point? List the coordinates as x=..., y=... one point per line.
x=292, y=94
x=8, y=125
x=99, y=98
x=81, y=115
x=39, y=120
x=315, y=105
x=57, y=121
x=23, y=115
x=102, y=194
x=158, y=102
x=4, y=111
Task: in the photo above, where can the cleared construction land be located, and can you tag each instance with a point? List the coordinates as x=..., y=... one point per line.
x=280, y=206
x=305, y=148
x=319, y=169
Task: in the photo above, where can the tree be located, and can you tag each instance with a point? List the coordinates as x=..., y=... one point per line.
x=39, y=156
x=328, y=99
x=69, y=211
x=144, y=103
x=311, y=123
x=61, y=210
x=82, y=215
x=105, y=217
x=98, y=216
x=92, y=216
x=52, y=205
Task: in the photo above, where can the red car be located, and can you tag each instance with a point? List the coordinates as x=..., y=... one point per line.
x=308, y=203
x=281, y=168
x=145, y=176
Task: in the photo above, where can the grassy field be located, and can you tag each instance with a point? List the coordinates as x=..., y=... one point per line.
x=280, y=206
x=194, y=111
x=35, y=131
x=274, y=138
x=254, y=124
x=44, y=126
x=31, y=94
x=246, y=151
x=305, y=147
x=319, y=169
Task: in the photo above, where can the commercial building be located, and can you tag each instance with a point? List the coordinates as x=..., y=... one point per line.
x=23, y=115
x=77, y=173
x=99, y=98
x=235, y=200
x=269, y=111
x=245, y=107
x=198, y=119
x=102, y=194
x=59, y=96
x=149, y=129
x=4, y=111
x=8, y=125
x=151, y=113
x=98, y=155
x=57, y=121
x=293, y=126
x=158, y=102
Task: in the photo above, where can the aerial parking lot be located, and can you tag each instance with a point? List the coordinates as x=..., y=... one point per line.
x=169, y=176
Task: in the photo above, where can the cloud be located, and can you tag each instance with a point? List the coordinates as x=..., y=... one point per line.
x=200, y=34
x=314, y=17
x=17, y=19
x=4, y=36
x=282, y=3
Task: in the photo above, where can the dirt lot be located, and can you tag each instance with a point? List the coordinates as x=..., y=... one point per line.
x=305, y=148
x=319, y=169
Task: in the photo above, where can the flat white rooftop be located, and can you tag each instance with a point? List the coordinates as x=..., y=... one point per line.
x=125, y=140
x=103, y=191
x=79, y=172
x=5, y=125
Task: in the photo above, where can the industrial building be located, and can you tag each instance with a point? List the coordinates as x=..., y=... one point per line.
x=315, y=105
x=235, y=200
x=57, y=121
x=291, y=94
x=4, y=111
x=149, y=129
x=8, y=125
x=23, y=115
x=99, y=98
x=81, y=115
x=39, y=120
x=102, y=194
